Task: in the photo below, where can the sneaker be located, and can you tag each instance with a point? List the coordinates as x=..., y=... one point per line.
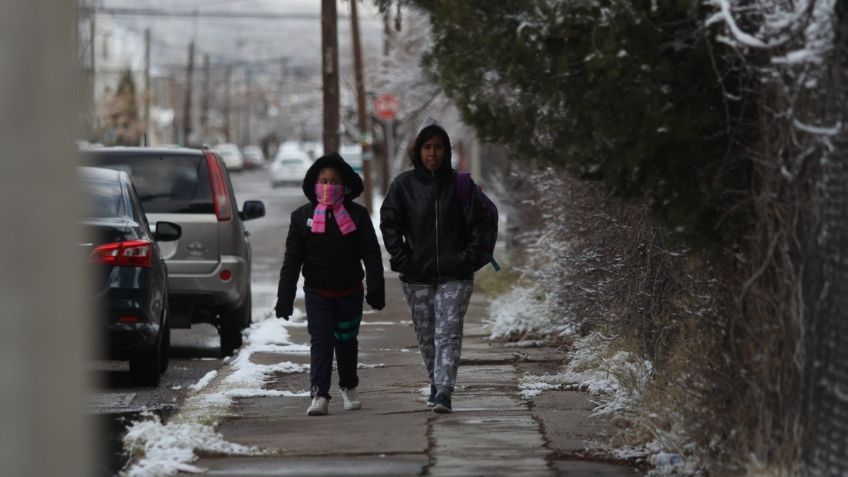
x=351, y=399
x=442, y=404
x=431, y=401
x=319, y=407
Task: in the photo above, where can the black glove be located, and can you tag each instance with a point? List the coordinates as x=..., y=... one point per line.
x=376, y=300
x=284, y=311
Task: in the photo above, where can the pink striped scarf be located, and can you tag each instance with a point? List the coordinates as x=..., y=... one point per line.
x=331, y=197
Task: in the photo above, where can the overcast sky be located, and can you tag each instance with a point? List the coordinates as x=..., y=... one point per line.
x=234, y=39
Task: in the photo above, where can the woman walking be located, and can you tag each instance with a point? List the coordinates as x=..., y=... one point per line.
x=330, y=238
x=434, y=243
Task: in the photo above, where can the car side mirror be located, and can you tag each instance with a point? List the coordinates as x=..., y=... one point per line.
x=167, y=232
x=253, y=209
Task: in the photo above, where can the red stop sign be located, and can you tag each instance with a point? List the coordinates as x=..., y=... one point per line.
x=387, y=106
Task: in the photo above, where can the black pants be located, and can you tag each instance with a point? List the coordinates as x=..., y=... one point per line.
x=333, y=325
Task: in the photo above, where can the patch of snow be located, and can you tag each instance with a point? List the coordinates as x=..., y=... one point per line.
x=370, y=366
x=522, y=310
x=169, y=448
x=535, y=388
x=206, y=379
x=165, y=449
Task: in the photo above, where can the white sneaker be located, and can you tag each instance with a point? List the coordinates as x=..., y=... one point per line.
x=351, y=399
x=319, y=407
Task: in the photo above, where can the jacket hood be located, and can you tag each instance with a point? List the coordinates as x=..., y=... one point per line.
x=428, y=129
x=352, y=181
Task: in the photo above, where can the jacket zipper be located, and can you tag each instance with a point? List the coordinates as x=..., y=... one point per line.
x=436, y=198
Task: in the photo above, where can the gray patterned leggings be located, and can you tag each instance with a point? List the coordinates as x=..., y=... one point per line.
x=438, y=312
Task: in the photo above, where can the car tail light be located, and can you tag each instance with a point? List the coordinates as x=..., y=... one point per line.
x=132, y=253
x=129, y=319
x=226, y=275
x=220, y=195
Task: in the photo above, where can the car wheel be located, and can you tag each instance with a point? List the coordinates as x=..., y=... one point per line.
x=146, y=365
x=232, y=322
x=165, y=347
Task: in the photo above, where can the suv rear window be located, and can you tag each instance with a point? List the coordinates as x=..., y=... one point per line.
x=167, y=183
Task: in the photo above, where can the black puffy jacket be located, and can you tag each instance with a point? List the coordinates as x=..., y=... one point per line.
x=424, y=227
x=331, y=261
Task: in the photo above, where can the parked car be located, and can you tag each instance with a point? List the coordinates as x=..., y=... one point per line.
x=129, y=285
x=289, y=167
x=209, y=267
x=352, y=154
x=231, y=154
x=313, y=149
x=253, y=157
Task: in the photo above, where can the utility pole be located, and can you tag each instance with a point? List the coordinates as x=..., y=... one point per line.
x=330, y=73
x=228, y=101
x=204, y=101
x=388, y=126
x=284, y=72
x=387, y=33
x=93, y=85
x=362, y=109
x=147, y=92
x=248, y=107
x=44, y=363
x=188, y=92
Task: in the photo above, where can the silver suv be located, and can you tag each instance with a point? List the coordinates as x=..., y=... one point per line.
x=209, y=266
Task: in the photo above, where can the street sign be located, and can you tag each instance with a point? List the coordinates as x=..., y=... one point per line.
x=387, y=106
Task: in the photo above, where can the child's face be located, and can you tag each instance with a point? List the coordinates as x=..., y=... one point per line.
x=330, y=176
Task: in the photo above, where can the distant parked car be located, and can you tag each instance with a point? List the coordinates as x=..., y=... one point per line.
x=209, y=267
x=313, y=149
x=130, y=285
x=289, y=167
x=352, y=154
x=231, y=154
x=253, y=157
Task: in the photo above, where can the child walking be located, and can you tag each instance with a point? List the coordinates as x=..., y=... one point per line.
x=329, y=239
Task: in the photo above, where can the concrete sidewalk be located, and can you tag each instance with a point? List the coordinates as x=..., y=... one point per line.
x=491, y=432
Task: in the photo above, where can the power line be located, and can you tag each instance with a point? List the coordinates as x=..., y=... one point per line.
x=159, y=12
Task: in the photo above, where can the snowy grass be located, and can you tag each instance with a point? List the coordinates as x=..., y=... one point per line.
x=522, y=311
x=161, y=449
x=616, y=377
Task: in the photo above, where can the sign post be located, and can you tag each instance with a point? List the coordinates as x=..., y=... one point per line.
x=386, y=108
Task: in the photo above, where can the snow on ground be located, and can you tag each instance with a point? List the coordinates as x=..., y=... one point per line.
x=521, y=311
x=615, y=379
x=166, y=449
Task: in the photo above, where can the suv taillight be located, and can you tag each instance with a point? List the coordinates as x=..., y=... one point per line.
x=132, y=253
x=220, y=195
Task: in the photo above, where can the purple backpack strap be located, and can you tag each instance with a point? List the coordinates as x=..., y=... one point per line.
x=463, y=188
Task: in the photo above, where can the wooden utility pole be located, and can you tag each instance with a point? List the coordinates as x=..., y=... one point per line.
x=147, y=92
x=228, y=101
x=330, y=73
x=248, y=107
x=93, y=78
x=362, y=109
x=46, y=337
x=204, y=102
x=188, y=92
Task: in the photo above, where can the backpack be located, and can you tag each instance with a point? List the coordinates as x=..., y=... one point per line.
x=463, y=191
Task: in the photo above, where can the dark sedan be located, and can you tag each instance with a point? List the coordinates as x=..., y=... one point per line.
x=128, y=275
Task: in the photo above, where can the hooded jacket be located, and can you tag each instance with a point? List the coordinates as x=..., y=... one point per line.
x=424, y=228
x=331, y=261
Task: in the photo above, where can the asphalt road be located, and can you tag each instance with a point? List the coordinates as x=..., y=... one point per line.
x=115, y=401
